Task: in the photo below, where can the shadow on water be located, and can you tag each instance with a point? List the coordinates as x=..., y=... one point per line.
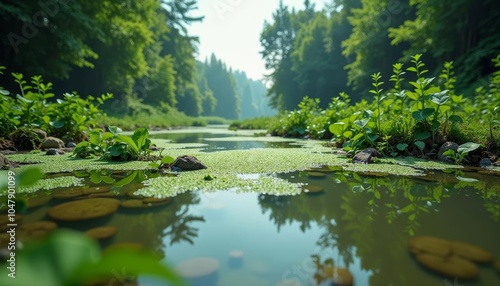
x=359, y=222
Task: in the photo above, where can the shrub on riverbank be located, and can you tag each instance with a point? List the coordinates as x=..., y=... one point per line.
x=414, y=115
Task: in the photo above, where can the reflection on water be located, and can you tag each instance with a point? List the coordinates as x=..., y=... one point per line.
x=361, y=223
x=216, y=145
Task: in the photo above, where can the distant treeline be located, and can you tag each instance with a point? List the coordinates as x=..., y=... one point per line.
x=323, y=53
x=141, y=51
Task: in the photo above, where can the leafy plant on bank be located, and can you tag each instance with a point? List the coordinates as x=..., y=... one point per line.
x=460, y=155
x=114, y=146
x=67, y=118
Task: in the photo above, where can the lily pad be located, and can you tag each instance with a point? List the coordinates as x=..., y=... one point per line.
x=84, y=209
x=35, y=230
x=102, y=232
x=39, y=200
x=67, y=194
x=431, y=245
x=201, y=269
x=451, y=266
x=471, y=252
x=4, y=220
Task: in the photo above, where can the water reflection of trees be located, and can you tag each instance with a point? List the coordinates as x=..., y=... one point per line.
x=372, y=217
x=150, y=227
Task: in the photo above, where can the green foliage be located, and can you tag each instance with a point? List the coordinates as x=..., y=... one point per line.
x=115, y=146
x=71, y=258
x=401, y=121
x=462, y=151
x=68, y=117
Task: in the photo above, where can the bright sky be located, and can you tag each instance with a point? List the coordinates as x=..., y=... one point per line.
x=231, y=30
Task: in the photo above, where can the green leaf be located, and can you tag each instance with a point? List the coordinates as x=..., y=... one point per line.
x=422, y=114
x=95, y=177
x=467, y=180
x=406, y=209
x=377, y=194
x=422, y=135
x=127, y=180
x=420, y=145
x=117, y=150
x=29, y=177
x=4, y=92
x=58, y=124
x=337, y=128
x=167, y=160
x=108, y=180
x=467, y=147
x=361, y=123
x=402, y=146
x=127, y=140
x=134, y=262
x=60, y=256
x=455, y=118
x=114, y=130
x=140, y=137
x=440, y=98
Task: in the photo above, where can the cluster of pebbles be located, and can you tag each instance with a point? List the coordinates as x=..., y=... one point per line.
x=454, y=259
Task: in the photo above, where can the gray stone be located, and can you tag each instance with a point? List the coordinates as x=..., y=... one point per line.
x=52, y=142
x=445, y=147
x=53, y=151
x=366, y=156
x=485, y=162
x=41, y=134
x=71, y=145
x=188, y=163
x=4, y=162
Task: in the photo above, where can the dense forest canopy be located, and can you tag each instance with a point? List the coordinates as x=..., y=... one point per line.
x=144, y=54
x=321, y=53
x=141, y=51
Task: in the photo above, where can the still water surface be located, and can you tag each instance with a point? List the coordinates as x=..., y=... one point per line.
x=361, y=221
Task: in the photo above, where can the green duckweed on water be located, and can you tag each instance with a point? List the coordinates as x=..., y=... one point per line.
x=226, y=167
x=52, y=183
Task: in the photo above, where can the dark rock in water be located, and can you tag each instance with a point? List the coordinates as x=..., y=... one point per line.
x=445, y=147
x=53, y=151
x=52, y=142
x=4, y=162
x=71, y=145
x=485, y=162
x=154, y=148
x=366, y=156
x=188, y=163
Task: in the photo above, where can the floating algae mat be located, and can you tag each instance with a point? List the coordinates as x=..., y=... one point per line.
x=279, y=216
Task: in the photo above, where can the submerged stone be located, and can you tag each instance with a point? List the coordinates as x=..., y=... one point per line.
x=428, y=244
x=68, y=194
x=34, y=230
x=316, y=175
x=451, y=266
x=471, y=252
x=102, y=232
x=312, y=189
x=39, y=200
x=199, y=271
x=84, y=209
